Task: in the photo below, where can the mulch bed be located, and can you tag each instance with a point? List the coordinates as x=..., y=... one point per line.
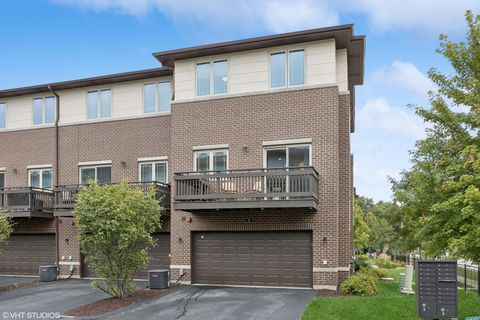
x=330, y=293
x=110, y=304
x=21, y=285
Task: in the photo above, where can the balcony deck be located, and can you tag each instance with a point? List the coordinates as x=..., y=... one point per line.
x=247, y=189
x=65, y=196
x=27, y=202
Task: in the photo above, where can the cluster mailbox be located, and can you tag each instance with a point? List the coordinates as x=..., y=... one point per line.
x=437, y=289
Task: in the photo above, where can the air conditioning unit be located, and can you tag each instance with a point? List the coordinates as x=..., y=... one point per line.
x=158, y=279
x=47, y=273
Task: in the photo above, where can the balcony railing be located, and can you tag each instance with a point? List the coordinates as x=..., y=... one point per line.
x=294, y=187
x=65, y=196
x=27, y=201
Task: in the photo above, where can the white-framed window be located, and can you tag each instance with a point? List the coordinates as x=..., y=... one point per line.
x=157, y=96
x=212, y=78
x=211, y=160
x=288, y=156
x=99, y=173
x=2, y=180
x=3, y=115
x=287, y=68
x=99, y=103
x=44, y=110
x=153, y=171
x=40, y=178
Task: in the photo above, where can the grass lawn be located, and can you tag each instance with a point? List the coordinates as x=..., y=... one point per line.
x=388, y=304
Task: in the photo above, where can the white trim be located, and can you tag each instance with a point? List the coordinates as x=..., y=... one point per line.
x=210, y=158
x=75, y=276
x=245, y=286
x=337, y=269
x=180, y=266
x=286, y=142
x=210, y=147
x=183, y=282
x=69, y=263
x=344, y=93
x=146, y=159
x=93, y=163
x=325, y=287
x=38, y=166
x=154, y=170
x=3, y=169
x=40, y=170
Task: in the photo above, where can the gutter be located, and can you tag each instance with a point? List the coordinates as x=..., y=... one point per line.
x=57, y=118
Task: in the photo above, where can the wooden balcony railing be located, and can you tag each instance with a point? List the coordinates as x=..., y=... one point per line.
x=27, y=201
x=65, y=196
x=255, y=188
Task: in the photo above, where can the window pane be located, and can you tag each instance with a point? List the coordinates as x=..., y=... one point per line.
x=219, y=160
x=37, y=111
x=49, y=109
x=2, y=180
x=47, y=179
x=104, y=174
x=87, y=174
x=105, y=101
x=149, y=98
x=277, y=70
x=277, y=158
x=297, y=67
x=164, y=96
x=146, y=172
x=161, y=172
x=220, y=77
x=92, y=100
x=202, y=161
x=3, y=113
x=203, y=79
x=299, y=156
x=35, y=179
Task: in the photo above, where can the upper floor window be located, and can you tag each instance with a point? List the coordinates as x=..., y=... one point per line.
x=3, y=115
x=211, y=160
x=99, y=103
x=43, y=110
x=99, y=174
x=287, y=67
x=288, y=156
x=157, y=97
x=216, y=71
x=40, y=178
x=2, y=180
x=153, y=171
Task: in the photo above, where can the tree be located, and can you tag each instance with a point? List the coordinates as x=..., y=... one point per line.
x=439, y=196
x=6, y=227
x=115, y=223
x=360, y=227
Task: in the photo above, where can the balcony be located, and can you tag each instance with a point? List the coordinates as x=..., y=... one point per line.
x=247, y=189
x=65, y=196
x=27, y=202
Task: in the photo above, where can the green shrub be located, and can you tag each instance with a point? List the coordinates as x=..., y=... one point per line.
x=360, y=264
x=361, y=283
x=385, y=263
x=362, y=257
x=378, y=273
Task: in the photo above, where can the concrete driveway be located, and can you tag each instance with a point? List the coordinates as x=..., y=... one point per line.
x=195, y=302
x=57, y=296
x=8, y=281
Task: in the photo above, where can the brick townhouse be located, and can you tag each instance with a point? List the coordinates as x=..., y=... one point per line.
x=246, y=142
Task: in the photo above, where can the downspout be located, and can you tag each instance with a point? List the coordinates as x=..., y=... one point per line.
x=57, y=117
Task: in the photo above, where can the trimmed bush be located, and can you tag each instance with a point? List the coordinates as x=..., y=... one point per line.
x=361, y=283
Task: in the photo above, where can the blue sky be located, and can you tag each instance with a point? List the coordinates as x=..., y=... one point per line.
x=46, y=41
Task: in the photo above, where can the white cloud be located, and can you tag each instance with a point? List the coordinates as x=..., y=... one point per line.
x=284, y=15
x=404, y=75
x=379, y=115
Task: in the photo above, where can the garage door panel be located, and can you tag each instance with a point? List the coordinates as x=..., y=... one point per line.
x=23, y=254
x=253, y=258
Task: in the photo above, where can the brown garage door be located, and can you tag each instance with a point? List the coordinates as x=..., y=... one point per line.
x=159, y=257
x=23, y=254
x=253, y=258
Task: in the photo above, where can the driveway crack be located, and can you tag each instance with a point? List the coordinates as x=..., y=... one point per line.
x=187, y=301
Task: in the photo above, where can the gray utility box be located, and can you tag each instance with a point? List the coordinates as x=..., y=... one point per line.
x=158, y=279
x=47, y=273
x=437, y=289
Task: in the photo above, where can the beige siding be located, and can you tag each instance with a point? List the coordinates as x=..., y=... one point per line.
x=342, y=70
x=248, y=71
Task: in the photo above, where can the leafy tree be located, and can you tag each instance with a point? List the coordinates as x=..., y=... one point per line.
x=115, y=223
x=360, y=227
x=439, y=196
x=6, y=227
